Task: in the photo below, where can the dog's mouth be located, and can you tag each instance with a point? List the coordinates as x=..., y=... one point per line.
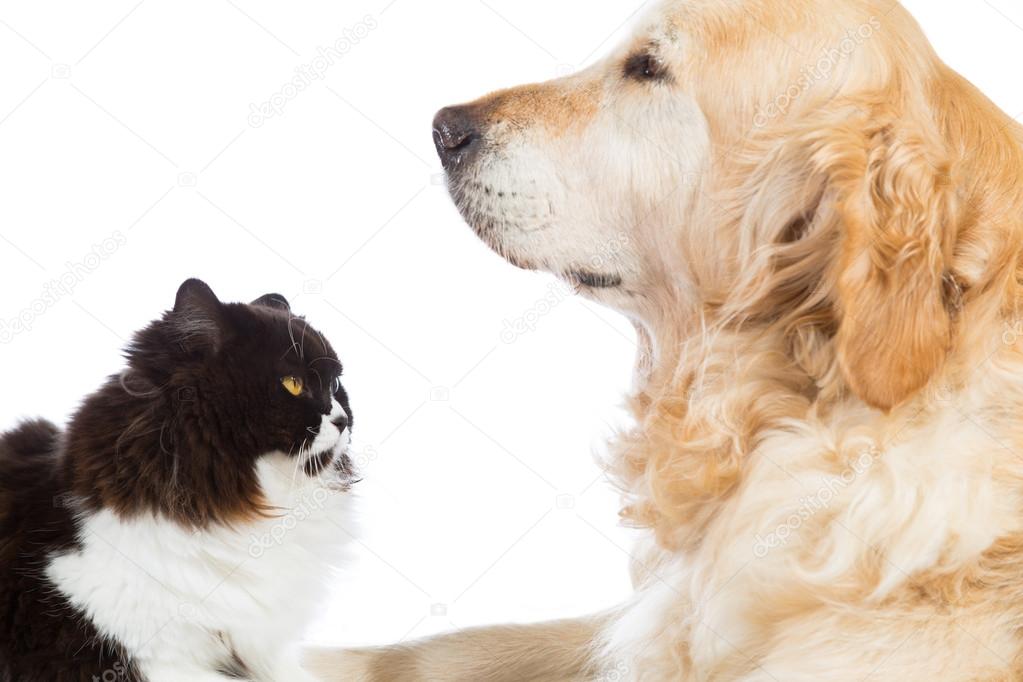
x=594, y=280
x=493, y=214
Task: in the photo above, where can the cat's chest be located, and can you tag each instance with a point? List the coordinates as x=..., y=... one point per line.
x=155, y=585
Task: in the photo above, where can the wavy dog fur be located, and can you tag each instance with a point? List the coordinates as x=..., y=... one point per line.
x=828, y=402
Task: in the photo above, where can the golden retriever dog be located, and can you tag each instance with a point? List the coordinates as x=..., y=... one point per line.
x=815, y=225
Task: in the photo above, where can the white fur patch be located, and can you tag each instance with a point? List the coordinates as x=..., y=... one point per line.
x=329, y=436
x=183, y=603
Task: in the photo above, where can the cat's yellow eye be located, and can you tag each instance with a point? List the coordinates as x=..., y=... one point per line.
x=293, y=385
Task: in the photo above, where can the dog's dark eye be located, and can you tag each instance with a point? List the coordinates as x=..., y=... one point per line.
x=335, y=385
x=645, y=67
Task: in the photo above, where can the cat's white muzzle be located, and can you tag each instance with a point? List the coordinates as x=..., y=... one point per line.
x=330, y=437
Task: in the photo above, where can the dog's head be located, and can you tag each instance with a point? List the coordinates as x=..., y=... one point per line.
x=800, y=164
x=580, y=175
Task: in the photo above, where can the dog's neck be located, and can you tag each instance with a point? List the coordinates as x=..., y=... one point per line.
x=703, y=403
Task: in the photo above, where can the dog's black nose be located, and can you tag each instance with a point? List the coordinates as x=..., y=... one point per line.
x=457, y=134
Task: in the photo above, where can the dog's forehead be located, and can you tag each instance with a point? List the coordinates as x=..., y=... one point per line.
x=671, y=23
x=717, y=29
x=663, y=22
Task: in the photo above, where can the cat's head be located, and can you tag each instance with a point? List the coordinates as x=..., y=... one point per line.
x=212, y=392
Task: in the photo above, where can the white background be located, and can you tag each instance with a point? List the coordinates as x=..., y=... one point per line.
x=483, y=501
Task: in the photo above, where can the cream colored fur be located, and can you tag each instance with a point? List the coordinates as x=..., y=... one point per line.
x=554, y=652
x=823, y=265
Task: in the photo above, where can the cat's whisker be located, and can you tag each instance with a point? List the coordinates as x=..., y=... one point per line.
x=305, y=328
x=128, y=375
x=291, y=335
x=299, y=348
x=326, y=358
x=321, y=467
x=298, y=463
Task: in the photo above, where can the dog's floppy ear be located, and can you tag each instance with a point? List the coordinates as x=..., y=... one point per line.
x=889, y=176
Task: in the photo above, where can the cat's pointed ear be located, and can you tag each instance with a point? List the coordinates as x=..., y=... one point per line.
x=198, y=317
x=275, y=301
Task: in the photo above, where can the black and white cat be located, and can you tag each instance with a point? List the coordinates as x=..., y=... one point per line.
x=183, y=527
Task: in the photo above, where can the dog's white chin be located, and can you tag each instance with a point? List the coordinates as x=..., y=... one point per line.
x=598, y=264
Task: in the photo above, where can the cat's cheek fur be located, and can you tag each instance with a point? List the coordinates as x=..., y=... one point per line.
x=184, y=603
